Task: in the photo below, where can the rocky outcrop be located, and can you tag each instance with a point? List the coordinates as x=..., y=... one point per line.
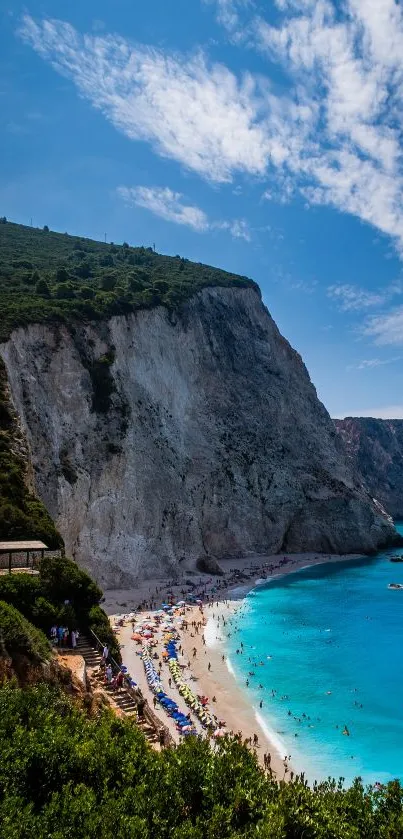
x=209, y=565
x=375, y=447
x=158, y=437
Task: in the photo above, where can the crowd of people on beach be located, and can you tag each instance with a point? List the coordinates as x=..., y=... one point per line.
x=211, y=592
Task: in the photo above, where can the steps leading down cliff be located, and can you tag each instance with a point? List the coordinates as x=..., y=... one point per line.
x=157, y=437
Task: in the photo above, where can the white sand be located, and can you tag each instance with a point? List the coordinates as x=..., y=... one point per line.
x=231, y=703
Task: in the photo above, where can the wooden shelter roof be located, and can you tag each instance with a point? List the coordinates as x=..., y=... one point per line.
x=18, y=547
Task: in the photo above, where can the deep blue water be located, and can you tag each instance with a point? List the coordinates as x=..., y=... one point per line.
x=335, y=636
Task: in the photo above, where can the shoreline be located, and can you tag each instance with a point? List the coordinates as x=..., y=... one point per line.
x=198, y=650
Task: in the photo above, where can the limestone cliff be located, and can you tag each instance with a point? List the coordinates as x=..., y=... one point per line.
x=157, y=437
x=375, y=447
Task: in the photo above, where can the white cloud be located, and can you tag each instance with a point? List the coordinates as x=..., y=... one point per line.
x=386, y=329
x=336, y=137
x=228, y=14
x=170, y=205
x=198, y=114
x=345, y=63
x=372, y=363
x=351, y=298
x=167, y=204
x=239, y=229
x=384, y=412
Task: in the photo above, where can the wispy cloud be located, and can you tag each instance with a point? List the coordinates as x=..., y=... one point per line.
x=344, y=62
x=352, y=298
x=372, y=363
x=386, y=329
x=167, y=204
x=307, y=286
x=228, y=14
x=335, y=137
x=239, y=229
x=196, y=113
x=171, y=206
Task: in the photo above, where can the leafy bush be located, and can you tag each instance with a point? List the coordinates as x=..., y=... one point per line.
x=63, y=775
x=20, y=637
x=103, y=384
x=61, y=579
x=42, y=599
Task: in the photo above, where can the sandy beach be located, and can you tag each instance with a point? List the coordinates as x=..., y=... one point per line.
x=202, y=661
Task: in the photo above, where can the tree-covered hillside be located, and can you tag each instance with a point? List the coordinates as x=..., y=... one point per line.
x=46, y=276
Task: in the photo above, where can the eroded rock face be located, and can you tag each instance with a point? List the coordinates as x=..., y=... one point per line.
x=211, y=440
x=375, y=447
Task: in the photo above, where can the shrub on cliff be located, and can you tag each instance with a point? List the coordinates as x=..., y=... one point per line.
x=99, y=624
x=18, y=637
x=62, y=593
x=22, y=514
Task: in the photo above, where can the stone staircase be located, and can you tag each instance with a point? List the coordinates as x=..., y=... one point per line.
x=91, y=656
x=122, y=698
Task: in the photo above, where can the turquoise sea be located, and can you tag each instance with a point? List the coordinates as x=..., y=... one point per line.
x=329, y=642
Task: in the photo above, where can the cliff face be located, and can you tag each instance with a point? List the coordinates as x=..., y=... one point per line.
x=156, y=438
x=375, y=447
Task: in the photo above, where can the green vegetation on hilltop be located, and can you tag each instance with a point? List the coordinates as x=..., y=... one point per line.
x=22, y=514
x=41, y=599
x=64, y=775
x=46, y=276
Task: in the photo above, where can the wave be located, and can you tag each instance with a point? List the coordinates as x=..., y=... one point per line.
x=271, y=735
x=211, y=631
x=230, y=667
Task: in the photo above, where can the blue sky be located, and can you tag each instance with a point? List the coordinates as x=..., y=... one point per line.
x=264, y=138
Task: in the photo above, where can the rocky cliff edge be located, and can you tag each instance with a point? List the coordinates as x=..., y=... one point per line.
x=158, y=437
x=375, y=447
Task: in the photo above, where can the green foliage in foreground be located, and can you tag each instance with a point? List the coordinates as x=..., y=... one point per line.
x=19, y=637
x=46, y=276
x=65, y=776
x=22, y=514
x=41, y=599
